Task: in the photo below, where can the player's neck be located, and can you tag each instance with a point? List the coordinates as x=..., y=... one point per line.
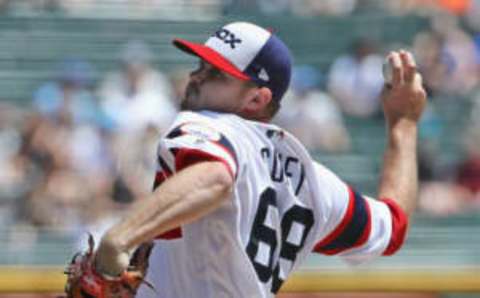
x=254, y=117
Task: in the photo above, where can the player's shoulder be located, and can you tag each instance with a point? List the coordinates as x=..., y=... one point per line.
x=232, y=126
x=207, y=126
x=209, y=120
x=206, y=116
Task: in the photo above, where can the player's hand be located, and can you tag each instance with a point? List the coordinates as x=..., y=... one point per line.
x=403, y=98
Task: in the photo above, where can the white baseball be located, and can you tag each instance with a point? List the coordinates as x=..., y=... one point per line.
x=387, y=71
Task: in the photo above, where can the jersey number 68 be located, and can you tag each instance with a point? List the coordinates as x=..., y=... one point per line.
x=294, y=228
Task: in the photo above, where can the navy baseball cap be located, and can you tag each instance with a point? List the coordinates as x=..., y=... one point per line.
x=247, y=52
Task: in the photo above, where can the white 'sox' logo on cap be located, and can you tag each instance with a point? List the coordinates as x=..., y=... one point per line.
x=227, y=37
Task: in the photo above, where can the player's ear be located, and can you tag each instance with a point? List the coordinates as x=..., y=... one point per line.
x=258, y=99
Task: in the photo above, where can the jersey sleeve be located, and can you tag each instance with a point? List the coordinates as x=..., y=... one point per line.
x=192, y=142
x=354, y=226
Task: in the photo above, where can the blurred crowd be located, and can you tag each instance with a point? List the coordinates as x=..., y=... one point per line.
x=184, y=8
x=85, y=146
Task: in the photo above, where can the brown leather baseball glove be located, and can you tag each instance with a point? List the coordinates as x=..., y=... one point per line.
x=83, y=281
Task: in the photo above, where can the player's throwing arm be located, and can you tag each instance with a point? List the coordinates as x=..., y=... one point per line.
x=403, y=99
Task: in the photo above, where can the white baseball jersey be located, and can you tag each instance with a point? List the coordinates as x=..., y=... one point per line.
x=283, y=206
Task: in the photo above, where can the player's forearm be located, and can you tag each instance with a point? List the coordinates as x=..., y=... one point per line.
x=188, y=195
x=399, y=178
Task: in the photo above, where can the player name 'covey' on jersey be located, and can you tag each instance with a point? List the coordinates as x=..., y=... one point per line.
x=283, y=206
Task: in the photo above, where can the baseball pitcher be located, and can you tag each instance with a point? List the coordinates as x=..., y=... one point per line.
x=238, y=203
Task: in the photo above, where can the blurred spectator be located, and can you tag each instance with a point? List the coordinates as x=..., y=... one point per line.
x=138, y=99
x=324, y=7
x=468, y=170
x=58, y=202
x=137, y=95
x=471, y=16
x=54, y=195
x=13, y=181
x=432, y=63
x=312, y=115
x=456, y=7
x=70, y=105
x=63, y=155
x=426, y=7
x=69, y=96
x=431, y=129
x=134, y=157
x=33, y=6
x=468, y=174
x=460, y=192
x=443, y=199
x=60, y=186
x=447, y=57
x=355, y=79
x=459, y=46
x=296, y=7
x=4, y=6
x=274, y=7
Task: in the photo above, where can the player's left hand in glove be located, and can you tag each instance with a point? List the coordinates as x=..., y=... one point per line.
x=83, y=280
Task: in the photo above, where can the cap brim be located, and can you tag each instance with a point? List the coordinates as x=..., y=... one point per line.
x=211, y=56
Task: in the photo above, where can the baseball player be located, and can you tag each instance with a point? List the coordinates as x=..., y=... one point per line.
x=238, y=203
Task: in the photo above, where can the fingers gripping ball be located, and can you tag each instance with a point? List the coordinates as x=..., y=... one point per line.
x=84, y=281
x=404, y=97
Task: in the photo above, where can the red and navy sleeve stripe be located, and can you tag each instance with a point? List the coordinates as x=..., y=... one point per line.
x=185, y=157
x=399, y=227
x=162, y=175
x=353, y=230
x=159, y=178
x=174, y=133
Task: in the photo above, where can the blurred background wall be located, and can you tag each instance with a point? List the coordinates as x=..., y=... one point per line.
x=88, y=86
